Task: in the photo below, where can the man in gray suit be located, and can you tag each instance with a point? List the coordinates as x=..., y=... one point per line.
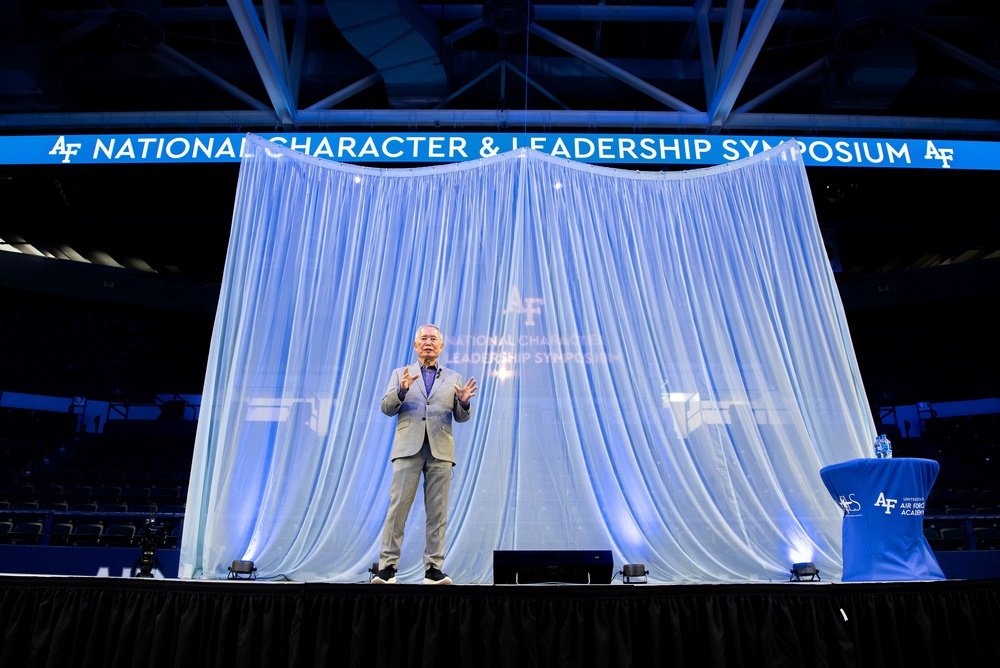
x=425, y=397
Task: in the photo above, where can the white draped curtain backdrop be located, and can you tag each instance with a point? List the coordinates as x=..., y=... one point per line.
x=663, y=359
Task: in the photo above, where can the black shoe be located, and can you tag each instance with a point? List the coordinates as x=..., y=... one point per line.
x=385, y=576
x=435, y=577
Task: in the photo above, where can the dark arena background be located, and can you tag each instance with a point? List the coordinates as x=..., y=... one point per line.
x=111, y=273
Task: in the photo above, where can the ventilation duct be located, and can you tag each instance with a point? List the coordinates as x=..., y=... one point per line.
x=876, y=55
x=401, y=41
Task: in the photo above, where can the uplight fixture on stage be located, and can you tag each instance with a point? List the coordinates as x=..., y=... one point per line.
x=632, y=572
x=801, y=571
x=242, y=570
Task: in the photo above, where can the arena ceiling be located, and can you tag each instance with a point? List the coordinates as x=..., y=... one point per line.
x=882, y=68
x=819, y=67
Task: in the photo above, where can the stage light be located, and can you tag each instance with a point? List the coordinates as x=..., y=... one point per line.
x=240, y=568
x=806, y=569
x=630, y=571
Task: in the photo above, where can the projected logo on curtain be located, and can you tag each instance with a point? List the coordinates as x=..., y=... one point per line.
x=663, y=360
x=528, y=307
x=531, y=346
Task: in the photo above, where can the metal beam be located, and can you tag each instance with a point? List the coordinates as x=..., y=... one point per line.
x=78, y=31
x=276, y=35
x=346, y=92
x=628, y=13
x=730, y=38
x=781, y=87
x=459, y=33
x=736, y=75
x=961, y=56
x=814, y=124
x=609, y=69
x=705, y=50
x=800, y=124
x=298, y=54
x=201, y=71
x=270, y=72
x=477, y=79
x=537, y=87
x=691, y=37
x=583, y=13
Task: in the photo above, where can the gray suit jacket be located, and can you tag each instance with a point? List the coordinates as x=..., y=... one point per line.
x=419, y=414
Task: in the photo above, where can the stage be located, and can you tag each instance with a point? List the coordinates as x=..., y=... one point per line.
x=132, y=623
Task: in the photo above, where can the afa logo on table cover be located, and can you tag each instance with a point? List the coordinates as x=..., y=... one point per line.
x=886, y=503
x=910, y=505
x=850, y=505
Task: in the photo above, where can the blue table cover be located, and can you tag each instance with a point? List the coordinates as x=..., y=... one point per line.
x=883, y=502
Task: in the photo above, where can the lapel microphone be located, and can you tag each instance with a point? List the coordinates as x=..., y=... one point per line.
x=436, y=375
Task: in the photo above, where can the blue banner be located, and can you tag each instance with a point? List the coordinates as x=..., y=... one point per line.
x=429, y=148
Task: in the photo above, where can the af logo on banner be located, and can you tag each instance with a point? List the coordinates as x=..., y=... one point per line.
x=66, y=149
x=888, y=504
x=945, y=155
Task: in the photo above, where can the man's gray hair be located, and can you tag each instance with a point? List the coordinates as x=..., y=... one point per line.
x=416, y=335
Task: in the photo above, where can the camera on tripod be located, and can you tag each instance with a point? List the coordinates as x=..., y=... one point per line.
x=152, y=536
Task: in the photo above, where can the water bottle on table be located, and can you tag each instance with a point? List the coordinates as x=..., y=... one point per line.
x=883, y=447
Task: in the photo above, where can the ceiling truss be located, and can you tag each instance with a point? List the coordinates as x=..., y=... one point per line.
x=695, y=66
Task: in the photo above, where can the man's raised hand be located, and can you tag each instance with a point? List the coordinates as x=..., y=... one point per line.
x=407, y=379
x=467, y=391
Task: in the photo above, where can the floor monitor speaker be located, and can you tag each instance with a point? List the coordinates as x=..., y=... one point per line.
x=552, y=566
